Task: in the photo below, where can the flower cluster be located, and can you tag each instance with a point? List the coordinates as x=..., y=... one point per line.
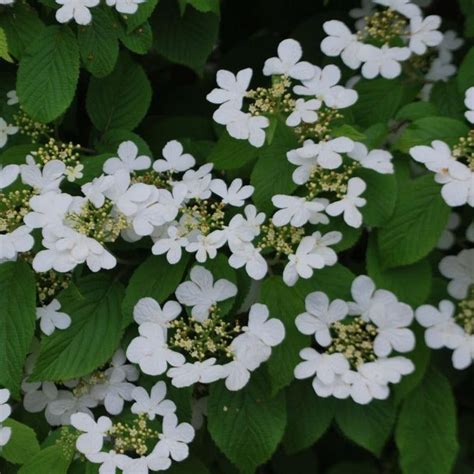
x=451, y=325
x=204, y=347
x=354, y=342
x=79, y=10
x=393, y=36
x=5, y=411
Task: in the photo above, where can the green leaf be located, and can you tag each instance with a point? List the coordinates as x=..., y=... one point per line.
x=448, y=99
x=4, y=47
x=191, y=465
x=230, y=154
x=369, y=425
x=139, y=41
x=465, y=75
x=154, y=278
x=22, y=27
x=381, y=196
x=110, y=141
x=423, y=131
x=309, y=417
x=93, y=335
x=187, y=39
x=417, y=110
x=121, y=99
x=22, y=445
x=51, y=460
x=143, y=13
x=48, y=74
x=426, y=428
x=349, y=132
x=413, y=231
x=285, y=304
x=411, y=283
x=200, y=5
x=16, y=155
x=379, y=100
x=98, y=44
x=17, y=321
x=246, y=425
x=272, y=172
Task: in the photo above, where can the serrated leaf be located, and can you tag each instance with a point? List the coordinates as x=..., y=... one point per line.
x=187, y=39
x=17, y=321
x=411, y=283
x=419, y=218
x=272, y=172
x=121, y=99
x=143, y=13
x=154, y=278
x=22, y=445
x=98, y=44
x=369, y=425
x=4, y=47
x=448, y=100
x=93, y=335
x=48, y=74
x=309, y=417
x=48, y=461
x=426, y=428
x=285, y=304
x=140, y=40
x=230, y=154
x=423, y=131
x=246, y=425
x=417, y=110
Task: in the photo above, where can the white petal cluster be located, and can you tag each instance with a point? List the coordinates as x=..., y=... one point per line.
x=456, y=178
x=343, y=367
x=5, y=411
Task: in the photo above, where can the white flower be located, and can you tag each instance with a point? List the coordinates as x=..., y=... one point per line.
x=349, y=203
x=5, y=411
x=458, y=184
x=324, y=86
x=365, y=9
x=366, y=297
x=66, y=248
x=304, y=111
x=148, y=310
x=424, y=33
x=197, y=182
x=451, y=42
x=470, y=232
x=151, y=352
x=127, y=7
x=51, y=318
x=326, y=367
x=5, y=131
x=66, y=405
x=19, y=240
x=48, y=210
x=202, y=293
x=153, y=404
x=469, y=102
x=460, y=270
x=75, y=9
x=12, y=97
x=92, y=439
x=306, y=159
x=322, y=246
x=74, y=173
x=377, y=160
x=244, y=229
x=8, y=174
x=319, y=316
x=174, y=159
x=7, y=2
x=190, y=374
x=127, y=160
x=405, y=7
x=341, y=42
x=463, y=355
x=447, y=238
x=288, y=62
x=206, y=245
x=237, y=375
x=441, y=329
x=175, y=438
x=233, y=88
x=329, y=151
x=95, y=190
x=436, y=157
x=253, y=346
x=38, y=395
x=249, y=256
x=109, y=461
x=392, y=333
x=43, y=180
x=172, y=245
x=295, y=210
x=384, y=61
x=235, y=194
x=243, y=126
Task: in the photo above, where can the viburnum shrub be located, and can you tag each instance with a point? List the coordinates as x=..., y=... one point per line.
x=236, y=237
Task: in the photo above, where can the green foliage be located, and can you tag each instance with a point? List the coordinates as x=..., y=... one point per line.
x=47, y=461
x=22, y=445
x=48, y=74
x=4, y=46
x=94, y=333
x=247, y=425
x=17, y=321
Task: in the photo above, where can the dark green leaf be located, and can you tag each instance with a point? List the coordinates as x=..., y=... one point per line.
x=22, y=445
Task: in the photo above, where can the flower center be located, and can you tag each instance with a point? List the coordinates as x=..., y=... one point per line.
x=464, y=150
x=13, y=208
x=354, y=338
x=204, y=216
x=272, y=99
x=323, y=180
x=465, y=313
x=384, y=26
x=284, y=240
